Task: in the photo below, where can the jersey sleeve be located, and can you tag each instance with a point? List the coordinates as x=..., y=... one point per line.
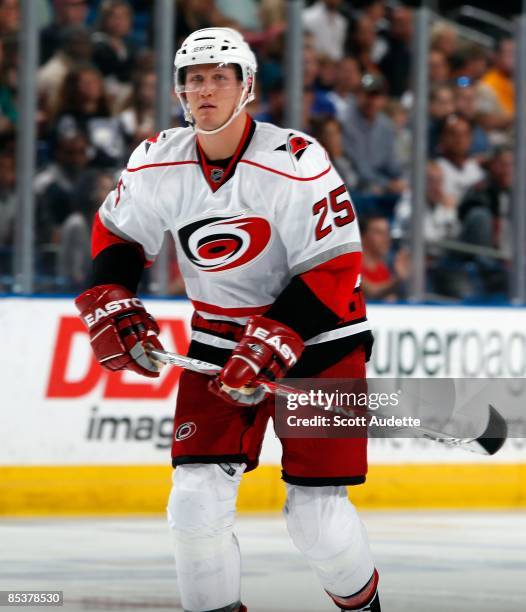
x=315, y=216
x=129, y=211
x=318, y=226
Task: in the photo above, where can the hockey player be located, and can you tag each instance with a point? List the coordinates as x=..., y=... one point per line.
x=269, y=247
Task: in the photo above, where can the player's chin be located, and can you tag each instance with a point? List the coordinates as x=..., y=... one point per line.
x=209, y=123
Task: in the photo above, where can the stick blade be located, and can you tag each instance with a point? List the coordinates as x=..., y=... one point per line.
x=495, y=434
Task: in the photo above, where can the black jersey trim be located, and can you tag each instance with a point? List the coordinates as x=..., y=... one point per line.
x=316, y=358
x=119, y=264
x=321, y=481
x=298, y=307
x=229, y=330
x=211, y=354
x=186, y=459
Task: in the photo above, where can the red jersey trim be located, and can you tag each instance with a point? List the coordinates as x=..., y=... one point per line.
x=233, y=312
x=102, y=238
x=333, y=283
x=290, y=176
x=160, y=165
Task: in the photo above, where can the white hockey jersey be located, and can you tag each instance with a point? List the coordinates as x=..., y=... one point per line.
x=241, y=232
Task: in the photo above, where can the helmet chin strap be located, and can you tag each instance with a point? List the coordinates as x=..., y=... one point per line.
x=240, y=106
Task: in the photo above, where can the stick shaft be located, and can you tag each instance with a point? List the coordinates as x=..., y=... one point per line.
x=478, y=445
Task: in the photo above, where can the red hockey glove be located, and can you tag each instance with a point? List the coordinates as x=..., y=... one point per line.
x=119, y=328
x=268, y=349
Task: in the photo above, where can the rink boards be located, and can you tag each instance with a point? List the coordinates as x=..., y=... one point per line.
x=76, y=440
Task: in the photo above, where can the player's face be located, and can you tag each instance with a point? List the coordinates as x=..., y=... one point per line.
x=212, y=93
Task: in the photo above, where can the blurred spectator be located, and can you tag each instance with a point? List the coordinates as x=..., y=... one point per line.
x=84, y=108
x=245, y=13
x=138, y=116
x=439, y=71
x=441, y=102
x=271, y=64
x=441, y=105
x=328, y=26
x=444, y=38
x=8, y=209
x=399, y=116
x=145, y=60
x=362, y=42
x=379, y=282
x=74, y=254
x=272, y=12
x=471, y=61
x=327, y=73
x=67, y=13
x=274, y=108
x=8, y=114
x=440, y=214
x=347, y=85
x=499, y=79
x=9, y=17
x=484, y=213
x=196, y=14
x=460, y=170
x=60, y=185
x=316, y=103
x=330, y=134
x=74, y=50
x=466, y=106
x=396, y=63
x=485, y=209
x=113, y=50
x=370, y=141
x=376, y=11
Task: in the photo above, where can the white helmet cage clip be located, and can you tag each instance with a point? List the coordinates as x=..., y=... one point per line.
x=216, y=46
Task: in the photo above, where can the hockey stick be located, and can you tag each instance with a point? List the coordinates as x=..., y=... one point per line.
x=488, y=443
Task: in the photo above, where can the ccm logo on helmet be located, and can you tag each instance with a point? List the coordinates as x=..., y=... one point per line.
x=202, y=48
x=111, y=308
x=284, y=349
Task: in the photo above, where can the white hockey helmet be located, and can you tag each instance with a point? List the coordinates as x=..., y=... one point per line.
x=216, y=46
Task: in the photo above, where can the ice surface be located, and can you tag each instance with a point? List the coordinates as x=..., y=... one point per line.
x=428, y=562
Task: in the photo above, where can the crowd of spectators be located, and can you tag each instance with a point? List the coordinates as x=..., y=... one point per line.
x=96, y=101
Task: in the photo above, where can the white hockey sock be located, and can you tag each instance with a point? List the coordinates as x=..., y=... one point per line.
x=325, y=527
x=201, y=512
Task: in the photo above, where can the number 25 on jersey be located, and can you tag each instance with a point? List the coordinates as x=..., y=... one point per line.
x=342, y=212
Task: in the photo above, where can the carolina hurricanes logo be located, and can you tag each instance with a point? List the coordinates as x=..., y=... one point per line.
x=185, y=431
x=223, y=243
x=297, y=145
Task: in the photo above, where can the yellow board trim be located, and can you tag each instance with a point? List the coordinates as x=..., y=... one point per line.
x=118, y=490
